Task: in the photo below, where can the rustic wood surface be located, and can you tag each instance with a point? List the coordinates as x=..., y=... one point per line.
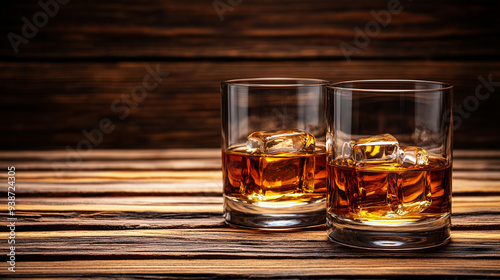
x=51, y=106
x=254, y=29
x=91, y=53
x=157, y=213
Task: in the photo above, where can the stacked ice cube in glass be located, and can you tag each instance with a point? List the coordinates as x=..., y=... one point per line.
x=390, y=180
x=284, y=165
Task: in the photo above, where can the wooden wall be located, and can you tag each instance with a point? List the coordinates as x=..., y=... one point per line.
x=67, y=76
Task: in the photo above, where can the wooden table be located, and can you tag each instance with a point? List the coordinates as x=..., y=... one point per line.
x=156, y=213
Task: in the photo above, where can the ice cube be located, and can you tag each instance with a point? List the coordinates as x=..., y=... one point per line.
x=389, y=182
x=371, y=151
x=412, y=186
x=289, y=141
x=282, y=176
x=388, y=195
x=371, y=193
x=347, y=153
x=283, y=164
x=411, y=192
x=413, y=156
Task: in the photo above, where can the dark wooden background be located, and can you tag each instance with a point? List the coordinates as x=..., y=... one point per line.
x=93, y=52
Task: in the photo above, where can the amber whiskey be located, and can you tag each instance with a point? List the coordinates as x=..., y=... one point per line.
x=389, y=193
x=286, y=177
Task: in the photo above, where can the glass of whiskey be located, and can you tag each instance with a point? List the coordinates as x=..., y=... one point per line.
x=274, y=152
x=389, y=163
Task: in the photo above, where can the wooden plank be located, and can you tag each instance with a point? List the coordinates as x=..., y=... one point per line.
x=137, y=164
x=333, y=267
x=185, y=112
x=470, y=204
x=170, y=217
x=136, y=208
x=122, y=154
x=182, y=211
x=470, y=186
x=131, y=201
x=112, y=175
x=475, y=154
x=127, y=220
x=225, y=243
x=77, y=221
x=254, y=29
x=207, y=186
x=461, y=204
x=477, y=175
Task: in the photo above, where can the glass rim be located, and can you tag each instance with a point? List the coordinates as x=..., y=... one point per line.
x=278, y=82
x=339, y=85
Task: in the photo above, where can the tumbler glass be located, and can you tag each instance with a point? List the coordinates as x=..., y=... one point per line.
x=389, y=163
x=273, y=152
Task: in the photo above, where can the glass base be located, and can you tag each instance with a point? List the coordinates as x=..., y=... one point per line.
x=274, y=215
x=407, y=236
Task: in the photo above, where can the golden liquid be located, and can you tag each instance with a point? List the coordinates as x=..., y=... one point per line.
x=272, y=178
x=390, y=194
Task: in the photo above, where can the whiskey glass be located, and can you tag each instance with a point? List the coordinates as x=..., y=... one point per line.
x=389, y=163
x=274, y=153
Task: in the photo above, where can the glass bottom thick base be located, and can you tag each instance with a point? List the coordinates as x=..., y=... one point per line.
x=274, y=216
x=408, y=236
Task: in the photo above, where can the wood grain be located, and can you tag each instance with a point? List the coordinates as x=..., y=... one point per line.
x=132, y=212
x=254, y=29
x=284, y=267
x=223, y=243
x=138, y=220
x=156, y=212
x=62, y=99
